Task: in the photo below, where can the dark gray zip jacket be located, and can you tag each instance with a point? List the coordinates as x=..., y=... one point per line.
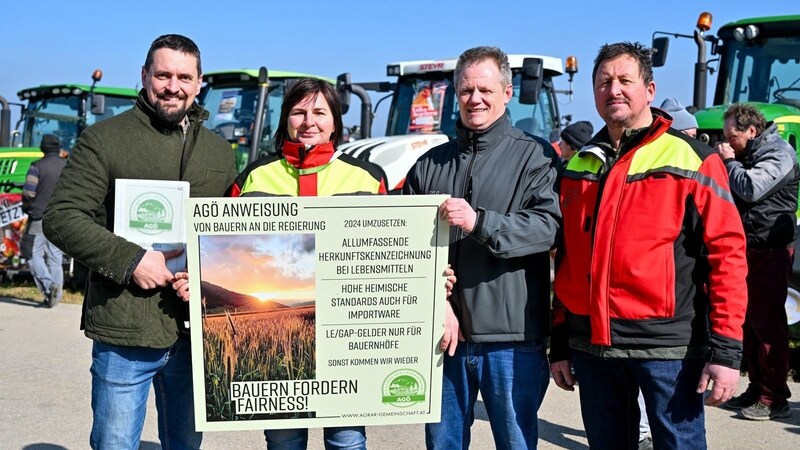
x=764, y=183
x=503, y=266
x=40, y=182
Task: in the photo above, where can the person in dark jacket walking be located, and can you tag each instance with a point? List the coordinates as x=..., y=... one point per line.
x=40, y=182
x=764, y=177
x=135, y=318
x=504, y=216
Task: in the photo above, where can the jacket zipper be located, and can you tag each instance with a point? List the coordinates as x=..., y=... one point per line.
x=609, y=165
x=466, y=194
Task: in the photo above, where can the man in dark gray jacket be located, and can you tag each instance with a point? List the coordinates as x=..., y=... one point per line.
x=504, y=216
x=764, y=175
x=131, y=312
x=40, y=182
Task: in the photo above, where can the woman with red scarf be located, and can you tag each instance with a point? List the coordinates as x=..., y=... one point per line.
x=307, y=163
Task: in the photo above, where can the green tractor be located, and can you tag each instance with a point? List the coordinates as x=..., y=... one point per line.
x=64, y=110
x=758, y=64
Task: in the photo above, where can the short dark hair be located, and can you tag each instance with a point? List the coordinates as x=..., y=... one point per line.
x=476, y=55
x=635, y=50
x=174, y=42
x=744, y=116
x=295, y=94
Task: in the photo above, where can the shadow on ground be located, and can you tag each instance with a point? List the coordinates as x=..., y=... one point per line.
x=144, y=445
x=555, y=434
x=21, y=302
x=42, y=446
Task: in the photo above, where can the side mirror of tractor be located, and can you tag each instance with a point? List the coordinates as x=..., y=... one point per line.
x=343, y=88
x=659, y=55
x=531, y=80
x=98, y=104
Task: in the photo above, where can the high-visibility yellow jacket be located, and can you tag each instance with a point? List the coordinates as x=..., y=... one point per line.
x=315, y=172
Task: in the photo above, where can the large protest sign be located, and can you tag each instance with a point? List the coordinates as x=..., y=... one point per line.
x=310, y=311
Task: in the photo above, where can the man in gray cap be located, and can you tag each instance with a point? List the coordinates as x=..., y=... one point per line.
x=40, y=182
x=682, y=120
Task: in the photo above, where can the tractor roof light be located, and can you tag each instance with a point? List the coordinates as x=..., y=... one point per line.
x=704, y=21
x=572, y=65
x=747, y=33
x=751, y=32
x=393, y=70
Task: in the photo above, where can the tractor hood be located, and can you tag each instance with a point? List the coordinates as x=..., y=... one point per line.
x=394, y=154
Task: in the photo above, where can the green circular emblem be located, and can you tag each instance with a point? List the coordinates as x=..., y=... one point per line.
x=151, y=213
x=403, y=388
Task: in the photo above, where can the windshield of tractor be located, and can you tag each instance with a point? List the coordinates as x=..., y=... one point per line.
x=767, y=72
x=232, y=111
x=425, y=103
x=60, y=116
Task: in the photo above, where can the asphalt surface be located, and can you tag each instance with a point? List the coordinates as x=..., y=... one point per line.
x=45, y=400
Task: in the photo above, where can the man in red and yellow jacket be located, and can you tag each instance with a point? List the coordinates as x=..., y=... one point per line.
x=650, y=288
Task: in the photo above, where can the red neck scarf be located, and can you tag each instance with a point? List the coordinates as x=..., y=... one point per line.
x=308, y=163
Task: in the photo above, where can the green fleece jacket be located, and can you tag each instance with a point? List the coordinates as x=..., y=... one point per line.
x=79, y=218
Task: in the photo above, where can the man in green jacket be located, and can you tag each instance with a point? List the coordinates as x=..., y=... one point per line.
x=137, y=322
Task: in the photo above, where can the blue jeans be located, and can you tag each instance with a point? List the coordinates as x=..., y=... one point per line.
x=608, y=391
x=344, y=438
x=121, y=378
x=511, y=377
x=45, y=261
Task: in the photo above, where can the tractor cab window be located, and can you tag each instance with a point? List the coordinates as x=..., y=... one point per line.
x=539, y=119
x=61, y=116
x=113, y=106
x=424, y=104
x=232, y=111
x=58, y=115
x=767, y=72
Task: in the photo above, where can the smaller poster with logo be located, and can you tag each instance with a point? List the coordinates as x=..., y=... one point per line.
x=150, y=214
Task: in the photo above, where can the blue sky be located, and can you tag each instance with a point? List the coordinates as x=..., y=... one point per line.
x=48, y=41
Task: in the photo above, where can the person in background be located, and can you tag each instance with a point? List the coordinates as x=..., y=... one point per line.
x=650, y=288
x=504, y=217
x=573, y=138
x=40, y=182
x=130, y=311
x=682, y=119
x=764, y=177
